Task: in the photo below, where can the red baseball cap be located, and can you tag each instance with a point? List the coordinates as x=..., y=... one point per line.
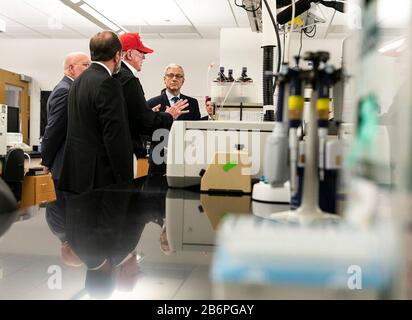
x=131, y=40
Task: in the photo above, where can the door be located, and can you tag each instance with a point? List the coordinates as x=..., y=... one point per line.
x=15, y=92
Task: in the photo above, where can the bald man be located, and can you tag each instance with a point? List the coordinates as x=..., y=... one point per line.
x=54, y=137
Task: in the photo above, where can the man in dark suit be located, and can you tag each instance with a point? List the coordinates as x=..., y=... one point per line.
x=142, y=119
x=54, y=137
x=174, y=79
x=98, y=148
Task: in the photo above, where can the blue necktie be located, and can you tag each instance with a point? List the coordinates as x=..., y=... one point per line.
x=175, y=99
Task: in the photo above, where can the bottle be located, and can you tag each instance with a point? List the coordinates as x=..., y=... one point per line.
x=230, y=76
x=221, y=75
x=244, y=77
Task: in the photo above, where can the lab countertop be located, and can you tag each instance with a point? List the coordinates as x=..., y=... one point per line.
x=139, y=241
x=32, y=154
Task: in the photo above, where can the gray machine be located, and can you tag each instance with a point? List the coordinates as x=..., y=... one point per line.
x=3, y=129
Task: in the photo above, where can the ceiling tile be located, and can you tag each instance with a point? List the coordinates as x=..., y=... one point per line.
x=138, y=12
x=19, y=11
x=209, y=32
x=4, y=36
x=119, y=11
x=150, y=36
x=56, y=10
x=241, y=15
x=208, y=13
x=51, y=18
x=161, y=29
x=180, y=35
x=28, y=35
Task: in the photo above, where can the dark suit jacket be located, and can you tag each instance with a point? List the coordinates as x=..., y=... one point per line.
x=193, y=114
x=98, y=148
x=52, y=146
x=142, y=120
x=193, y=108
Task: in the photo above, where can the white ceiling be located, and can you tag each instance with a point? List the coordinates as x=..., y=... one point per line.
x=179, y=19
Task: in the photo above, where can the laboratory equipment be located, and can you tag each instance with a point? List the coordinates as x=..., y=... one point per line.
x=192, y=146
x=3, y=129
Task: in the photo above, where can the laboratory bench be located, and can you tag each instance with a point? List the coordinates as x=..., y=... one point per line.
x=147, y=241
x=158, y=242
x=38, y=188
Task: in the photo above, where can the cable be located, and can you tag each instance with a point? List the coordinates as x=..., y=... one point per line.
x=221, y=106
x=308, y=33
x=284, y=47
x=247, y=9
x=301, y=42
x=330, y=23
x=292, y=25
x=277, y=39
x=239, y=5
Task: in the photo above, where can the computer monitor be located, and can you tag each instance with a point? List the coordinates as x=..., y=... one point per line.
x=13, y=119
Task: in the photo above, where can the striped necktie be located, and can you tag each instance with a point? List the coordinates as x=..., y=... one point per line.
x=174, y=99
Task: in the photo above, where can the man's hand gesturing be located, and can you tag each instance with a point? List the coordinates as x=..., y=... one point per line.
x=178, y=109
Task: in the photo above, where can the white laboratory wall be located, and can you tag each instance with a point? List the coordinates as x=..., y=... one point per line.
x=242, y=48
x=42, y=60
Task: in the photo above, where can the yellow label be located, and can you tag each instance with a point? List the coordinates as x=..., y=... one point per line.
x=298, y=22
x=296, y=102
x=322, y=104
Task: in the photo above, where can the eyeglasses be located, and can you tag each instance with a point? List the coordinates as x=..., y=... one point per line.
x=177, y=76
x=86, y=64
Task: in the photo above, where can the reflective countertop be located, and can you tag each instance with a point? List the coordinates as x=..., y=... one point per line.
x=140, y=241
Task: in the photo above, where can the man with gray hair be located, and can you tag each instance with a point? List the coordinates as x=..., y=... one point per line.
x=54, y=137
x=174, y=79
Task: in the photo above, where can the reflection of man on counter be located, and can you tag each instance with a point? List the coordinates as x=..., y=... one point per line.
x=54, y=137
x=101, y=230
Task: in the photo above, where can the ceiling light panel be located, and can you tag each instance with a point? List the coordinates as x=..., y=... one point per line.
x=208, y=13
x=62, y=20
x=46, y=17
x=101, y=18
x=19, y=11
x=140, y=12
x=56, y=9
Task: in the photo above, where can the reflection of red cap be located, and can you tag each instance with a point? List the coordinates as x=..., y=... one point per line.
x=131, y=41
x=207, y=98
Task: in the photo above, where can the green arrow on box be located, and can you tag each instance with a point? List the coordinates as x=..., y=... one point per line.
x=229, y=166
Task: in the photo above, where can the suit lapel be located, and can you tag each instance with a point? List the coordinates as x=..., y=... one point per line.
x=164, y=102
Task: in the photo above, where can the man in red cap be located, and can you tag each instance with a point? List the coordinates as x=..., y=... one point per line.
x=142, y=119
